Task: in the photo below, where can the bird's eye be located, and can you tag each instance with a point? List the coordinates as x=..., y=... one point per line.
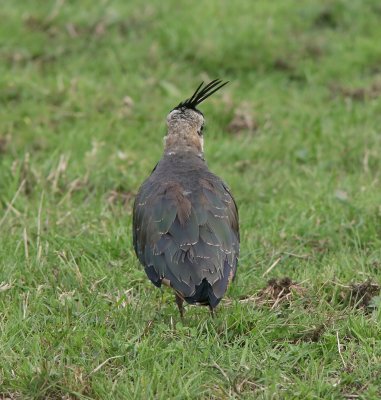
x=201, y=130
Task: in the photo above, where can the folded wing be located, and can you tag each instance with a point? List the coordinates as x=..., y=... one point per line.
x=190, y=237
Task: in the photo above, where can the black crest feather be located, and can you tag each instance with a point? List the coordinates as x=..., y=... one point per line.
x=202, y=93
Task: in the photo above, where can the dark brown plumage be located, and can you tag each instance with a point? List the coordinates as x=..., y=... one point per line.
x=185, y=220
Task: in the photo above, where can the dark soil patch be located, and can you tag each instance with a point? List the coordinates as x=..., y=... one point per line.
x=277, y=291
x=357, y=94
x=37, y=24
x=313, y=50
x=361, y=294
x=325, y=19
x=243, y=120
x=315, y=334
x=281, y=64
x=117, y=196
x=286, y=66
x=4, y=142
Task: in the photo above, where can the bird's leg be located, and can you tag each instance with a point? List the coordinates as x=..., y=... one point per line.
x=212, y=312
x=161, y=299
x=180, y=302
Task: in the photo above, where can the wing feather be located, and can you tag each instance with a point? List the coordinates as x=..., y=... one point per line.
x=187, y=236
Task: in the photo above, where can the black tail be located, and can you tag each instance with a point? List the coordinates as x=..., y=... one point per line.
x=204, y=295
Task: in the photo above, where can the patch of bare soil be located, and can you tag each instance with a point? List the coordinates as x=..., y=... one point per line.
x=243, y=120
x=313, y=50
x=325, y=19
x=360, y=295
x=357, y=94
x=277, y=292
x=281, y=290
x=36, y=24
x=4, y=142
x=282, y=64
x=118, y=196
x=288, y=67
x=315, y=334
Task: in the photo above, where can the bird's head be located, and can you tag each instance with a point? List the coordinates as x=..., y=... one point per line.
x=186, y=123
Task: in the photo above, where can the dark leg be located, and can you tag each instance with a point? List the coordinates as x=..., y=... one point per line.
x=212, y=313
x=161, y=299
x=180, y=302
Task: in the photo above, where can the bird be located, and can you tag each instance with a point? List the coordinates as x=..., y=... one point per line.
x=185, y=219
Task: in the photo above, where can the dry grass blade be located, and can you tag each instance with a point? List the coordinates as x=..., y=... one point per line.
x=10, y=205
x=5, y=286
x=272, y=266
x=104, y=363
x=339, y=349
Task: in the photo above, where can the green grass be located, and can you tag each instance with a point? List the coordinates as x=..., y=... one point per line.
x=78, y=317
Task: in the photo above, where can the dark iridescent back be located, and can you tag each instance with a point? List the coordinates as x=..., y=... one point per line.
x=185, y=229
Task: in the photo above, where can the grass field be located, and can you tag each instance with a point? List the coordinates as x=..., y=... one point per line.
x=85, y=88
